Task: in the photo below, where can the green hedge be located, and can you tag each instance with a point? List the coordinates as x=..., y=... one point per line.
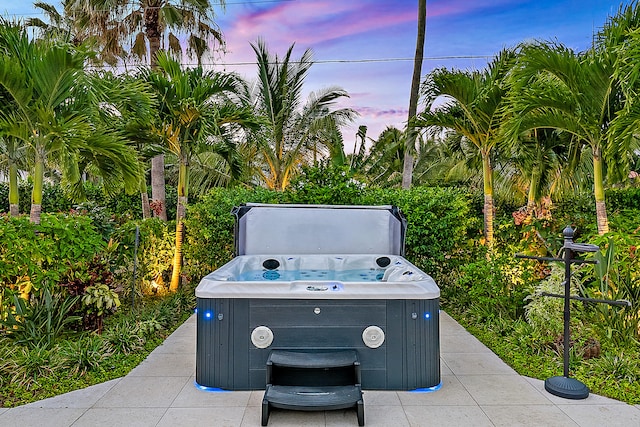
x=440, y=224
x=43, y=253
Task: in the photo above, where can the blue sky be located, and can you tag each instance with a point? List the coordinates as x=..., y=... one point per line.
x=346, y=35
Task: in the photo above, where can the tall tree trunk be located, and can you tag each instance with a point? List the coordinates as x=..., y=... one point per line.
x=598, y=192
x=36, y=193
x=144, y=197
x=407, y=171
x=535, y=182
x=488, y=200
x=183, y=182
x=14, y=196
x=158, y=187
x=152, y=31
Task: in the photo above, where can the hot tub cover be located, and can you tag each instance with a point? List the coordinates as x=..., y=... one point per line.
x=268, y=229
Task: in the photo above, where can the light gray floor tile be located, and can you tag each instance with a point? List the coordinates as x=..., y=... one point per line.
x=446, y=416
x=444, y=369
x=23, y=416
x=603, y=415
x=382, y=416
x=593, y=399
x=461, y=343
x=501, y=390
x=143, y=392
x=527, y=415
x=183, y=344
x=166, y=365
x=380, y=398
x=218, y=417
x=192, y=397
x=3, y=410
x=452, y=392
x=476, y=363
x=256, y=398
x=130, y=417
x=83, y=398
x=284, y=418
x=448, y=326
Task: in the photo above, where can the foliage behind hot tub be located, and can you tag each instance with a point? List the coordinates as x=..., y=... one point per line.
x=440, y=224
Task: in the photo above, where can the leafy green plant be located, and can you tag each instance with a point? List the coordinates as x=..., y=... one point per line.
x=325, y=183
x=615, y=277
x=618, y=367
x=86, y=353
x=42, y=254
x=544, y=313
x=148, y=328
x=125, y=337
x=26, y=364
x=39, y=324
x=100, y=300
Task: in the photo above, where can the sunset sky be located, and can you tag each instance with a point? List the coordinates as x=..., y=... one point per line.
x=367, y=46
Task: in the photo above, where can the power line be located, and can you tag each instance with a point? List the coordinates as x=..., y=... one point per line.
x=133, y=4
x=323, y=61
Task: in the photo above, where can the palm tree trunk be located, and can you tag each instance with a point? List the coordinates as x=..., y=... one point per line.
x=488, y=200
x=158, y=187
x=158, y=193
x=410, y=147
x=598, y=192
x=36, y=193
x=183, y=182
x=14, y=196
x=146, y=210
x=533, y=185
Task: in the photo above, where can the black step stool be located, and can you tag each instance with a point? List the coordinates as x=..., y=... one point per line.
x=319, y=381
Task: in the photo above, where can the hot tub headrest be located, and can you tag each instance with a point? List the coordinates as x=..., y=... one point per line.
x=319, y=229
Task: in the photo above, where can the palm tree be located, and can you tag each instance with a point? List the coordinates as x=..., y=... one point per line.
x=75, y=26
x=149, y=23
x=553, y=87
x=472, y=107
x=407, y=172
x=55, y=114
x=11, y=162
x=293, y=131
x=198, y=112
x=383, y=163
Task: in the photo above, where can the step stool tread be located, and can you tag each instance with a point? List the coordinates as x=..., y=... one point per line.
x=294, y=359
x=313, y=398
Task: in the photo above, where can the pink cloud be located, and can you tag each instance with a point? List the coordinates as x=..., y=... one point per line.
x=395, y=114
x=310, y=24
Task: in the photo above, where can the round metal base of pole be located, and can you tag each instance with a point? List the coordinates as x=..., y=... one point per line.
x=568, y=388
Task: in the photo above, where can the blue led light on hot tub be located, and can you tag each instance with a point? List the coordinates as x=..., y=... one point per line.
x=208, y=314
x=427, y=389
x=427, y=315
x=210, y=389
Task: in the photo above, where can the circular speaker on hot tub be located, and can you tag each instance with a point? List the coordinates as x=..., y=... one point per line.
x=262, y=337
x=383, y=261
x=373, y=337
x=271, y=264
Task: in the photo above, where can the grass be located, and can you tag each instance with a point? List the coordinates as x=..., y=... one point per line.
x=153, y=320
x=615, y=374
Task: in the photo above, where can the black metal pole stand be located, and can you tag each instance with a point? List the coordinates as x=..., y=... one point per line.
x=564, y=386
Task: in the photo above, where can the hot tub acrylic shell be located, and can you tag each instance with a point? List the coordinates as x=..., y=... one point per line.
x=311, y=315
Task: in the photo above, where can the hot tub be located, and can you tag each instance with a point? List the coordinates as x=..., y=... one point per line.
x=318, y=279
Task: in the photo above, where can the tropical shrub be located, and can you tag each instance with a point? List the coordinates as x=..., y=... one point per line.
x=34, y=255
x=616, y=276
x=39, y=322
x=77, y=356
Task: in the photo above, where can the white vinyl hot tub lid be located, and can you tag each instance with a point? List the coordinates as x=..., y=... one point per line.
x=319, y=229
